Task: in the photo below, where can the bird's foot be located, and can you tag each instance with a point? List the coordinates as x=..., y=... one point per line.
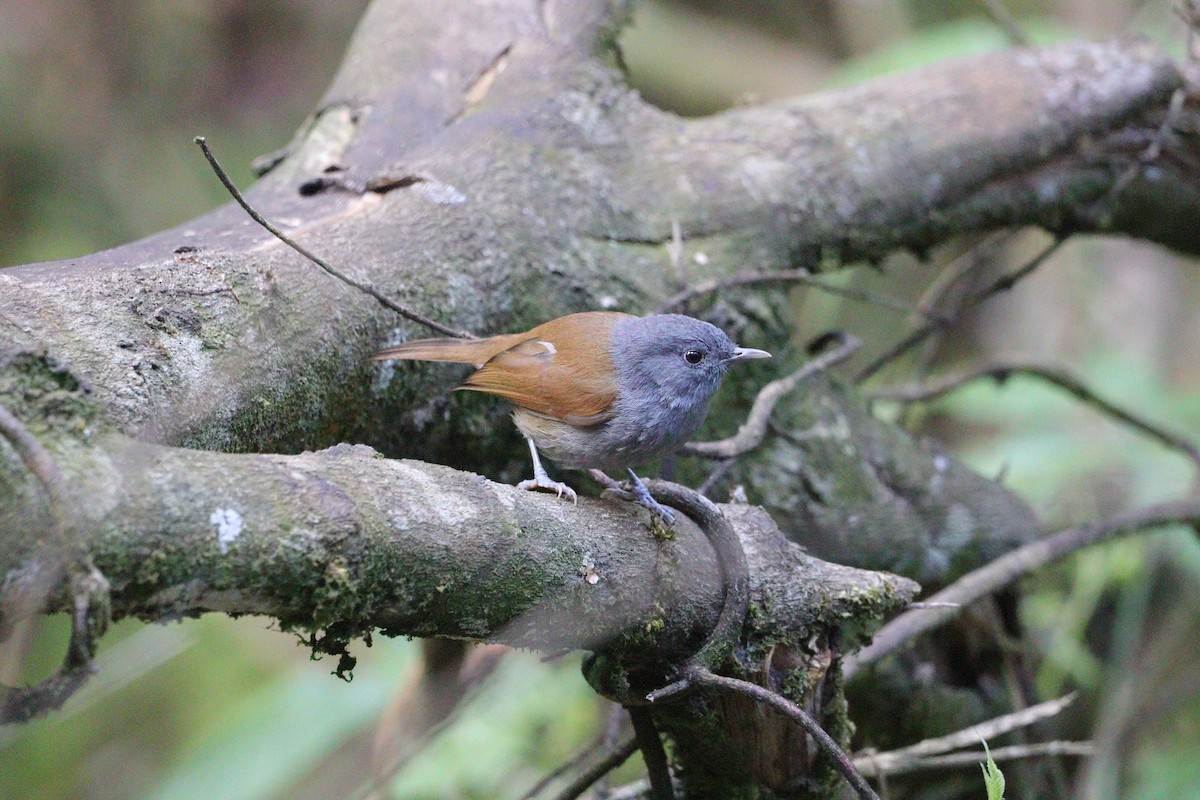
x=543, y=483
x=635, y=490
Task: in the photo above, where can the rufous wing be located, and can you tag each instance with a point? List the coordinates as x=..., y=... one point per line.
x=561, y=369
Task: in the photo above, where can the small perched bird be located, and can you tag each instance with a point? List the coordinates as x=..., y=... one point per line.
x=599, y=389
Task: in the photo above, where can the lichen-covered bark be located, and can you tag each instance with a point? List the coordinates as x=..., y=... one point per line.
x=339, y=543
x=551, y=192
x=519, y=178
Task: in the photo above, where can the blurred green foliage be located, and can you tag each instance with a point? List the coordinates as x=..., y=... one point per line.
x=100, y=101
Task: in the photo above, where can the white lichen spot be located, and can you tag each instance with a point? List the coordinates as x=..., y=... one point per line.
x=700, y=258
x=441, y=193
x=229, y=526
x=387, y=371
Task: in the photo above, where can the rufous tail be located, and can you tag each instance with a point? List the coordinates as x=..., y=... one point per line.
x=463, y=351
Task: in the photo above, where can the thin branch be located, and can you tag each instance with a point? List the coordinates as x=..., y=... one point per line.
x=866, y=764
x=703, y=677
x=36, y=459
x=1001, y=284
x=942, y=385
x=803, y=276
x=962, y=265
x=754, y=429
x=1149, y=155
x=650, y=743
x=88, y=620
x=387, y=302
x=562, y=769
x=894, y=760
x=619, y=755
x=714, y=477
x=1003, y=17
x=1013, y=565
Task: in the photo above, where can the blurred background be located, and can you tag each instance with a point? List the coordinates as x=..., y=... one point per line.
x=100, y=100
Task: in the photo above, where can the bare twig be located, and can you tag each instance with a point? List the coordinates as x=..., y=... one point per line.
x=752, y=431
x=384, y=300
x=719, y=472
x=35, y=458
x=1001, y=284
x=648, y=741
x=789, y=276
x=868, y=766
x=1013, y=565
x=1149, y=155
x=944, y=294
x=89, y=590
x=895, y=760
x=945, y=384
x=1002, y=17
x=703, y=677
x=619, y=755
x=961, y=266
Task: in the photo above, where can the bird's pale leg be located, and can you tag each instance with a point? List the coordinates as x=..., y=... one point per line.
x=642, y=495
x=541, y=481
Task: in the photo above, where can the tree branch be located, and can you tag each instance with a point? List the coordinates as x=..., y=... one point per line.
x=473, y=228
x=1011, y=566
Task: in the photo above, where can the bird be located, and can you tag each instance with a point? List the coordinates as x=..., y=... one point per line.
x=596, y=390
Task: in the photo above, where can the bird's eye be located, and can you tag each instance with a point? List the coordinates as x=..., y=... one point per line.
x=693, y=356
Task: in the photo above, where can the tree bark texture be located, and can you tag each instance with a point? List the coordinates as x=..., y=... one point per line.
x=510, y=175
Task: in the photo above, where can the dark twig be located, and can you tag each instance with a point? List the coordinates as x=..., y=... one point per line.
x=387, y=302
x=650, y=743
x=1002, y=372
x=1003, y=17
x=752, y=431
x=1150, y=154
x=718, y=472
x=619, y=755
x=944, y=294
x=789, y=276
x=1014, y=564
x=1001, y=284
x=704, y=677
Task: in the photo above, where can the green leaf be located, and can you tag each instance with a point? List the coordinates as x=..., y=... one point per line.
x=993, y=778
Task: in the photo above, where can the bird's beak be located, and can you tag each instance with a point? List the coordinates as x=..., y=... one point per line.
x=746, y=353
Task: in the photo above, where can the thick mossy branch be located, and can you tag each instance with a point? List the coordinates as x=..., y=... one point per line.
x=343, y=541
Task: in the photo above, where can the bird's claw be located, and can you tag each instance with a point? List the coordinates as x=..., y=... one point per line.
x=636, y=491
x=541, y=484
